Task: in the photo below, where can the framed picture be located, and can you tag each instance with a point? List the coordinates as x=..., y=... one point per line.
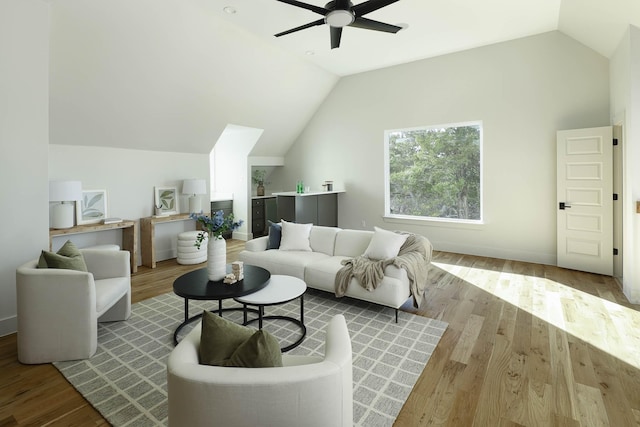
x=166, y=200
x=92, y=208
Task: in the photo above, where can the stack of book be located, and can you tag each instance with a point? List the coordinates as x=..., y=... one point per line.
x=111, y=220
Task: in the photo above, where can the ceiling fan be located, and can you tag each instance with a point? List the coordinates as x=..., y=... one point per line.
x=341, y=13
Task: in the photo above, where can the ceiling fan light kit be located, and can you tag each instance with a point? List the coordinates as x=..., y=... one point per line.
x=339, y=18
x=342, y=13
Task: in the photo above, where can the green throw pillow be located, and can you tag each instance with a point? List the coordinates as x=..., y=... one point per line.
x=225, y=343
x=68, y=257
x=262, y=350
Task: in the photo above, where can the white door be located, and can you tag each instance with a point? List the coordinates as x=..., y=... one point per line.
x=585, y=200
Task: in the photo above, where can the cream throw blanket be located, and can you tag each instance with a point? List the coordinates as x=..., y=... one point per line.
x=414, y=257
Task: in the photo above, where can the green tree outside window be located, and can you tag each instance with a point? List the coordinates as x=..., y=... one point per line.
x=435, y=172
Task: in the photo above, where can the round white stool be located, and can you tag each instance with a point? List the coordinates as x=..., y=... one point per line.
x=281, y=289
x=188, y=253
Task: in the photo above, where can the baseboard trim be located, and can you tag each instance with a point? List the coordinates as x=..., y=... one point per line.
x=166, y=254
x=240, y=236
x=490, y=252
x=8, y=326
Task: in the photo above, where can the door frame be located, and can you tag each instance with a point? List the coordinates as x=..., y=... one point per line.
x=618, y=206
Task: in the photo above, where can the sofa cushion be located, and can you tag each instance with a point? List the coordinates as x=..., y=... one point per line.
x=220, y=340
x=352, y=243
x=322, y=274
x=392, y=291
x=384, y=244
x=288, y=263
x=109, y=291
x=323, y=239
x=68, y=257
x=275, y=235
x=295, y=237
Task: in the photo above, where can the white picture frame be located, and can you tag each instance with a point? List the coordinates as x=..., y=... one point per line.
x=166, y=200
x=92, y=208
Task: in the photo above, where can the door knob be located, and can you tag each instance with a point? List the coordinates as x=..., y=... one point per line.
x=564, y=206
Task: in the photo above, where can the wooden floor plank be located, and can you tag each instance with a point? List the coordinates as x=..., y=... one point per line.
x=527, y=345
x=591, y=409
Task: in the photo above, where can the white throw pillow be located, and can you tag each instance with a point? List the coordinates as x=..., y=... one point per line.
x=385, y=244
x=295, y=237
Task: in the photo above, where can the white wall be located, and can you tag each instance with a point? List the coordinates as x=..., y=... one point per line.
x=129, y=176
x=24, y=125
x=232, y=173
x=625, y=107
x=523, y=91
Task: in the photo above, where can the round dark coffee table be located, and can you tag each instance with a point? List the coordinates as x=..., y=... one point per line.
x=196, y=285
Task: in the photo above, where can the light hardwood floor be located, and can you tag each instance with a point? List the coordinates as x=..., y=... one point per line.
x=527, y=345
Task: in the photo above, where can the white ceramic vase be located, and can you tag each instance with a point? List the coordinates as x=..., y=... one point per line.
x=216, y=258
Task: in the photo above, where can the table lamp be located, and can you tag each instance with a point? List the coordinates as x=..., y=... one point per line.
x=62, y=214
x=193, y=187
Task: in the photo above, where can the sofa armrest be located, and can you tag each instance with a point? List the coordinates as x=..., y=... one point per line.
x=56, y=314
x=397, y=273
x=105, y=264
x=257, y=245
x=48, y=289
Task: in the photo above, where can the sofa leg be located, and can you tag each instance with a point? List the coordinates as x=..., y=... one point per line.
x=396, y=315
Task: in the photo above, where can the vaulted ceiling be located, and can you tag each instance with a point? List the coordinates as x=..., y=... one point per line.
x=171, y=74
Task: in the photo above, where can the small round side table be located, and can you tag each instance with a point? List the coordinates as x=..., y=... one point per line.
x=279, y=290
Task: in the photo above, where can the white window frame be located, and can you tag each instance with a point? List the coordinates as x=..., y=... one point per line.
x=446, y=222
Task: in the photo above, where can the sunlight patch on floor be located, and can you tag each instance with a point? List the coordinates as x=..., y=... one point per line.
x=604, y=324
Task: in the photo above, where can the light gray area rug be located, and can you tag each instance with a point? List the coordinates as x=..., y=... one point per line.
x=126, y=379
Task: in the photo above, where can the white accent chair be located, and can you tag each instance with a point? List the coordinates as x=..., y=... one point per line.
x=59, y=309
x=309, y=391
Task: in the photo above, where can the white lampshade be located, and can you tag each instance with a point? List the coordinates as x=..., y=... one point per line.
x=194, y=187
x=65, y=191
x=62, y=214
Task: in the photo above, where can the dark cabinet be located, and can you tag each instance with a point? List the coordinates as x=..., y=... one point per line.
x=257, y=217
x=262, y=211
x=226, y=206
x=318, y=209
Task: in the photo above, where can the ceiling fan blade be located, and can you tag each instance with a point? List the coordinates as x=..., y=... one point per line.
x=302, y=27
x=336, y=35
x=370, y=6
x=370, y=24
x=316, y=9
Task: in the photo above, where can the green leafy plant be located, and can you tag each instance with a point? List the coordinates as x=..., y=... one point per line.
x=258, y=176
x=214, y=226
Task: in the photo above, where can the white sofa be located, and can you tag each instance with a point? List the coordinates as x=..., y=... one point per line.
x=309, y=391
x=318, y=268
x=59, y=309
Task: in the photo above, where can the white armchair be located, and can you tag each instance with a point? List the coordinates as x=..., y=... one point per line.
x=59, y=309
x=307, y=391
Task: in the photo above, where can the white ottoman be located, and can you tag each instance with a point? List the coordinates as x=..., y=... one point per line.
x=187, y=252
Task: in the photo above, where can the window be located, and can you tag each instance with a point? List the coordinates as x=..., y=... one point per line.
x=435, y=172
